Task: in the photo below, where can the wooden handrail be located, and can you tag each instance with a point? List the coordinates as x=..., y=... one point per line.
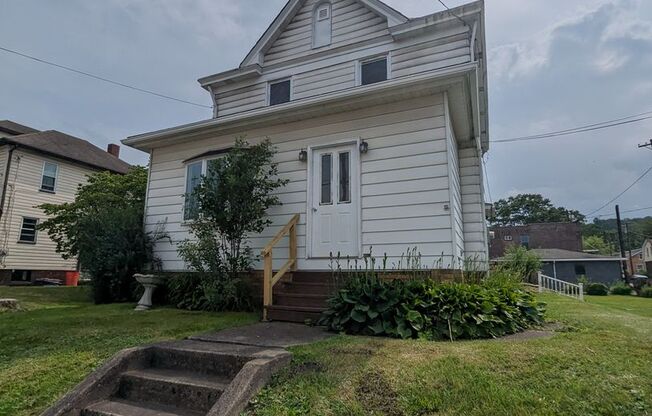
x=269, y=278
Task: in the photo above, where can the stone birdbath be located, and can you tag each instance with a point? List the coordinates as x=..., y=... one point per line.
x=149, y=282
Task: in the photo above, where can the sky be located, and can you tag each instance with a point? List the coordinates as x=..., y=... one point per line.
x=553, y=64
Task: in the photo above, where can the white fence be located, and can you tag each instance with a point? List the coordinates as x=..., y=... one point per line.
x=561, y=287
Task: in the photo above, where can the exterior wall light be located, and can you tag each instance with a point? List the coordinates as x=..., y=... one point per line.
x=303, y=155
x=364, y=147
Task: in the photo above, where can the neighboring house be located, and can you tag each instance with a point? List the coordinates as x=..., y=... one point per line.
x=380, y=122
x=635, y=263
x=647, y=255
x=565, y=236
x=38, y=168
x=571, y=265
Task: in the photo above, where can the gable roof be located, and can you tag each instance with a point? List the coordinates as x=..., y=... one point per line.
x=70, y=148
x=14, y=128
x=286, y=15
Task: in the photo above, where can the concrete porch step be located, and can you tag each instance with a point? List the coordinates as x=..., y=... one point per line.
x=116, y=407
x=210, y=363
x=183, y=389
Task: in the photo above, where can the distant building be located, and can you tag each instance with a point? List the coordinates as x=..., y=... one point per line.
x=635, y=263
x=571, y=265
x=647, y=254
x=564, y=236
x=38, y=168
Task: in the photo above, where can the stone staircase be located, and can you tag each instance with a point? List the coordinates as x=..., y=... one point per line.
x=184, y=378
x=302, y=296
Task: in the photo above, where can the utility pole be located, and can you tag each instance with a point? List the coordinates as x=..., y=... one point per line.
x=629, y=246
x=620, y=241
x=646, y=145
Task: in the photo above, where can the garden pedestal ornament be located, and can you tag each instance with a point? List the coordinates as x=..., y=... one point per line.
x=149, y=282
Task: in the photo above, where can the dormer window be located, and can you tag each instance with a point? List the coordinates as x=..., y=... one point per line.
x=322, y=25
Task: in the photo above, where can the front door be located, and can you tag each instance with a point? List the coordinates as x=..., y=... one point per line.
x=335, y=199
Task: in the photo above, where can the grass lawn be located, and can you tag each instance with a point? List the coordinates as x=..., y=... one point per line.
x=600, y=364
x=62, y=337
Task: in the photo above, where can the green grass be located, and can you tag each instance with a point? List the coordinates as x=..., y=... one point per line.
x=598, y=364
x=61, y=337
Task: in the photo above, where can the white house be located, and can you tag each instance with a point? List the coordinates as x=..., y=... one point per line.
x=380, y=122
x=41, y=168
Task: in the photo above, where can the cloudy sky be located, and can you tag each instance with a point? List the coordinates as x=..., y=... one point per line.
x=553, y=64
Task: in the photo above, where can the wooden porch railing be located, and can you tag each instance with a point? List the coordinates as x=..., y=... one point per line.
x=271, y=279
x=561, y=287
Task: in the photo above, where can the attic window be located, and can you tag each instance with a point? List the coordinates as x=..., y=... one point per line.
x=322, y=25
x=280, y=92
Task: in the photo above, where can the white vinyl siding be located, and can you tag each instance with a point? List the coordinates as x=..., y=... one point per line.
x=22, y=199
x=473, y=209
x=333, y=73
x=457, y=219
x=404, y=181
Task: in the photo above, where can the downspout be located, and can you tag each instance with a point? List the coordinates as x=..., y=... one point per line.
x=6, y=179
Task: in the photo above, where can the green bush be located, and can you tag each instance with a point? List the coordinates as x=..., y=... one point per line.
x=201, y=292
x=621, y=288
x=646, y=292
x=597, y=289
x=521, y=261
x=424, y=308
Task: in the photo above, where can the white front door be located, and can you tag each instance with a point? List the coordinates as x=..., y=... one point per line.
x=335, y=199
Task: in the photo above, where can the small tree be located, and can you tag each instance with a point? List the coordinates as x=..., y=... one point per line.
x=103, y=227
x=521, y=261
x=232, y=201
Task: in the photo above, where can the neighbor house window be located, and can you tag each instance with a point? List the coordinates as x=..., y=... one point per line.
x=580, y=270
x=280, y=92
x=28, y=230
x=322, y=25
x=525, y=241
x=508, y=238
x=373, y=71
x=49, y=178
x=193, y=179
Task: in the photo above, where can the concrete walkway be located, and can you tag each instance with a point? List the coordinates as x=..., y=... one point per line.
x=267, y=334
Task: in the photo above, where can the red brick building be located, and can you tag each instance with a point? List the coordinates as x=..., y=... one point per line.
x=564, y=236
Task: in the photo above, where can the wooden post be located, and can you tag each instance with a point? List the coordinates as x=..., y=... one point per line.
x=293, y=246
x=582, y=292
x=539, y=280
x=267, y=284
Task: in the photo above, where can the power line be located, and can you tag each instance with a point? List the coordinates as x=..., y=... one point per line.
x=622, y=193
x=486, y=175
x=451, y=12
x=626, y=212
x=582, y=129
x=120, y=84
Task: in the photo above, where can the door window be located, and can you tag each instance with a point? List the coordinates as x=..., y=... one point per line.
x=345, y=178
x=326, y=179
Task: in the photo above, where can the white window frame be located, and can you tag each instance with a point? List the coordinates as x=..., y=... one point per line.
x=371, y=59
x=508, y=238
x=56, y=177
x=278, y=81
x=204, y=170
x=20, y=231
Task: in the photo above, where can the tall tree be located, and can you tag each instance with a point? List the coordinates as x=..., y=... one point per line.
x=531, y=208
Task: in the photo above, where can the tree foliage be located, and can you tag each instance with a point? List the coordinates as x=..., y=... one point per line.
x=232, y=201
x=103, y=228
x=598, y=244
x=607, y=229
x=530, y=209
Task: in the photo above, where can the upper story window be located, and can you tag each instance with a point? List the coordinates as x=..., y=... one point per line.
x=49, y=177
x=195, y=171
x=280, y=92
x=322, y=27
x=28, y=230
x=374, y=70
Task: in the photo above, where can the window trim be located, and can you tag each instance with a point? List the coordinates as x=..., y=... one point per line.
x=369, y=60
x=278, y=81
x=204, y=170
x=56, y=178
x=20, y=232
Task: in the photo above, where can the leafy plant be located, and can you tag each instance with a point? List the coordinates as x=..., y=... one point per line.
x=597, y=289
x=521, y=261
x=646, y=292
x=231, y=203
x=621, y=288
x=531, y=208
x=104, y=228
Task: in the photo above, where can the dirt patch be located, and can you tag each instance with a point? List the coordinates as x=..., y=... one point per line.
x=547, y=331
x=377, y=396
x=306, y=367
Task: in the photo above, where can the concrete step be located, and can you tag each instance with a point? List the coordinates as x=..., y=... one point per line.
x=116, y=407
x=181, y=389
x=213, y=363
x=298, y=314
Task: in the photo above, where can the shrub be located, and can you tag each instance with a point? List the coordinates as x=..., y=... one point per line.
x=597, y=289
x=621, y=288
x=424, y=308
x=646, y=292
x=521, y=261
